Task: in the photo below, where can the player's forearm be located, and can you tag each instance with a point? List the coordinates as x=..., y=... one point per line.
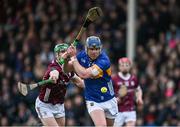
x=139, y=93
x=80, y=84
x=67, y=66
x=139, y=99
x=78, y=81
x=80, y=70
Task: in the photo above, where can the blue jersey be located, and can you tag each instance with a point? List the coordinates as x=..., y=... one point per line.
x=103, y=79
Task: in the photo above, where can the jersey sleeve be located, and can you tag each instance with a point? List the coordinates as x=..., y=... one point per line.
x=101, y=65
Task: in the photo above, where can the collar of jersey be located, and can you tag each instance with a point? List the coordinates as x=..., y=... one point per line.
x=125, y=77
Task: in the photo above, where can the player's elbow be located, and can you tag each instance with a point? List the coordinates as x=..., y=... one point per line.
x=80, y=84
x=65, y=70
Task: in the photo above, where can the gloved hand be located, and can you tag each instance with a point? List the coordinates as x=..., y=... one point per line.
x=54, y=75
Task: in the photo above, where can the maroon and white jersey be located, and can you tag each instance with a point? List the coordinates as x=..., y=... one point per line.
x=55, y=93
x=127, y=102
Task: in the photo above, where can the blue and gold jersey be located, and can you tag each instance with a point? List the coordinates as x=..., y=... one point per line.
x=93, y=86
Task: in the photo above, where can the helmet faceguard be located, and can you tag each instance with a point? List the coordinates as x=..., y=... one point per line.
x=93, y=42
x=60, y=48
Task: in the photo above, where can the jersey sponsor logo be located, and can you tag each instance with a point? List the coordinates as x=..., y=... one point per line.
x=102, y=98
x=91, y=104
x=44, y=113
x=132, y=83
x=130, y=90
x=83, y=60
x=126, y=83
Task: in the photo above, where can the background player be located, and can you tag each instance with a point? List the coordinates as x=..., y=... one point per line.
x=93, y=65
x=50, y=102
x=126, y=88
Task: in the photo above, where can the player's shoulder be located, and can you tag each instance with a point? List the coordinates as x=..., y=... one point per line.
x=103, y=61
x=114, y=76
x=103, y=58
x=54, y=65
x=82, y=54
x=133, y=76
x=104, y=55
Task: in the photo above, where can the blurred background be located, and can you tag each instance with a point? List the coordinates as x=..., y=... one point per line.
x=29, y=29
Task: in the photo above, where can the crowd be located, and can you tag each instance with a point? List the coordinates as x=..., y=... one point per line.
x=30, y=29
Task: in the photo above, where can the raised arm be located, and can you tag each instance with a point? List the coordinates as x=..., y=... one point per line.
x=67, y=66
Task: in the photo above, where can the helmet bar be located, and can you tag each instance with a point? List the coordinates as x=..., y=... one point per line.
x=93, y=42
x=60, y=47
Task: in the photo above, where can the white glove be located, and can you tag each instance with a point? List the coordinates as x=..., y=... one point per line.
x=54, y=75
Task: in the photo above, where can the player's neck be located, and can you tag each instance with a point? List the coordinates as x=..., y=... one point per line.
x=124, y=76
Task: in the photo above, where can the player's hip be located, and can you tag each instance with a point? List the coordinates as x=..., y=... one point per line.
x=99, y=98
x=109, y=107
x=46, y=110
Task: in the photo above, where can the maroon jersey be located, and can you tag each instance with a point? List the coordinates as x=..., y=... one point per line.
x=127, y=102
x=55, y=93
